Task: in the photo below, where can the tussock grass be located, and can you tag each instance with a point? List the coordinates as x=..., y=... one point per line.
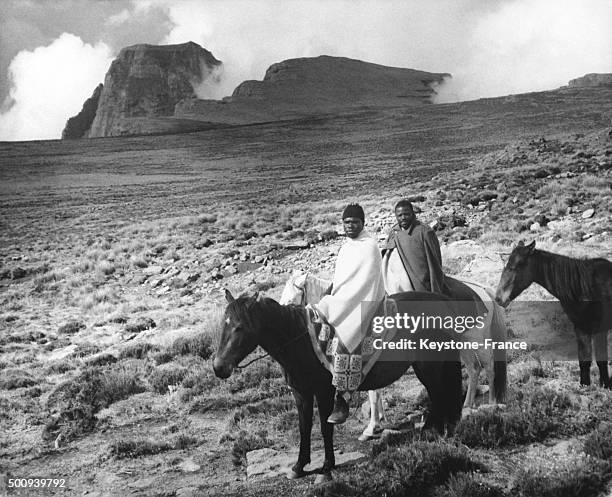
x=583, y=477
x=198, y=345
x=468, y=485
x=72, y=405
x=245, y=442
x=166, y=375
x=138, y=350
x=71, y=327
x=12, y=378
x=599, y=442
x=138, y=447
x=105, y=267
x=415, y=469
x=532, y=415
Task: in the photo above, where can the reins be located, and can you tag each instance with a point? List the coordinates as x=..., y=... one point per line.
x=294, y=339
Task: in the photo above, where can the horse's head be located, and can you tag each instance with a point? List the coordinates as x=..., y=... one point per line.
x=239, y=337
x=295, y=290
x=517, y=274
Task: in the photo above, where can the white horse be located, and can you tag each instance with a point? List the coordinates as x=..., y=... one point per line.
x=302, y=289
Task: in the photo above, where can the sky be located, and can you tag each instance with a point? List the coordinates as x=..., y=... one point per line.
x=53, y=53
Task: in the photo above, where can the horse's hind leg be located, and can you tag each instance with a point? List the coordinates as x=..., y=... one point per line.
x=325, y=403
x=304, y=404
x=584, y=356
x=472, y=367
x=431, y=376
x=600, y=342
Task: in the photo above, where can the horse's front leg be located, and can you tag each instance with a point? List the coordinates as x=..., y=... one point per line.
x=600, y=341
x=304, y=402
x=585, y=355
x=325, y=403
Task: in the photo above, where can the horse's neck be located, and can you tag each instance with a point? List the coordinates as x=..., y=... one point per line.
x=558, y=274
x=283, y=333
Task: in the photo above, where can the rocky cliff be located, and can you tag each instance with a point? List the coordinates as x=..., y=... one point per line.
x=307, y=86
x=78, y=126
x=148, y=81
x=593, y=79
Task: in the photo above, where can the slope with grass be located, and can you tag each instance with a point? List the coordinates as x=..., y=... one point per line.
x=115, y=252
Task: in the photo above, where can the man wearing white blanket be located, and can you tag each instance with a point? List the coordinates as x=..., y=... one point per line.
x=357, y=289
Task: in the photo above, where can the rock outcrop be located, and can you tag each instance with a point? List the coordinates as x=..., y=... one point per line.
x=78, y=126
x=315, y=85
x=592, y=79
x=148, y=81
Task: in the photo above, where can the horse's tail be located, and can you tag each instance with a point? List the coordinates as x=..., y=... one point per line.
x=499, y=333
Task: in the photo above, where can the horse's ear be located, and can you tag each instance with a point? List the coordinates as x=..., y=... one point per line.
x=520, y=244
x=252, y=299
x=228, y=296
x=531, y=247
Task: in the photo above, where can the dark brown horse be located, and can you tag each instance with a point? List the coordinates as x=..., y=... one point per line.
x=584, y=289
x=281, y=330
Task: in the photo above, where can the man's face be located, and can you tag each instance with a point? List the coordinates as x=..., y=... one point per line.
x=352, y=226
x=405, y=217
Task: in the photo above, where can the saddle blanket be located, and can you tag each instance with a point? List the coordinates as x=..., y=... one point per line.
x=348, y=369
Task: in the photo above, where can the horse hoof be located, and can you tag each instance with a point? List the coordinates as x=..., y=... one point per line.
x=323, y=478
x=294, y=475
x=364, y=438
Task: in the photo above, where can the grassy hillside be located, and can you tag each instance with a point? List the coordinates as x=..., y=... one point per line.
x=115, y=252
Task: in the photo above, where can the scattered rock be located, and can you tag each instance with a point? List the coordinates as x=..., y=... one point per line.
x=153, y=270
x=534, y=227
x=189, y=466
x=588, y=213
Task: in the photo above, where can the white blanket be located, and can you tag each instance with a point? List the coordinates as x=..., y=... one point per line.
x=357, y=280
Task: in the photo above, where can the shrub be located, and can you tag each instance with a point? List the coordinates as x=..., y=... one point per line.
x=138, y=350
x=468, y=485
x=164, y=376
x=71, y=327
x=139, y=325
x=131, y=448
x=584, y=478
x=16, y=378
x=245, y=442
x=599, y=442
x=533, y=415
x=86, y=349
x=74, y=403
x=198, y=345
x=411, y=470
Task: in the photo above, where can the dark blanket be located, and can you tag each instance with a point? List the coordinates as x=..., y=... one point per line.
x=419, y=251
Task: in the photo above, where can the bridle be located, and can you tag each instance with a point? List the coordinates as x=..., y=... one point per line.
x=280, y=347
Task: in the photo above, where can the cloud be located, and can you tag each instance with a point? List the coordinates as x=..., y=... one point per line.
x=49, y=85
x=531, y=45
x=119, y=17
x=492, y=47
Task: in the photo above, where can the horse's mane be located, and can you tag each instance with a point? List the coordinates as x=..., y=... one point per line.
x=570, y=279
x=268, y=311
